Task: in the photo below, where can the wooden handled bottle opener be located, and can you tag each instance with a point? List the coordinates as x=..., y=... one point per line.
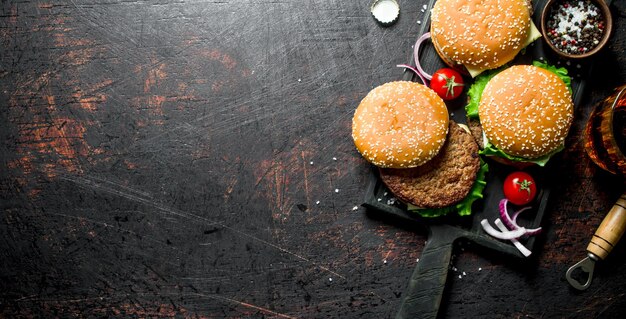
x=606, y=237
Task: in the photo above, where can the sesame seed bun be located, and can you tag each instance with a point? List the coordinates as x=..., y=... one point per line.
x=400, y=124
x=526, y=111
x=479, y=34
x=455, y=65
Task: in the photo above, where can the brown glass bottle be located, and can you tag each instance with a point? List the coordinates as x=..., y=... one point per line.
x=605, y=133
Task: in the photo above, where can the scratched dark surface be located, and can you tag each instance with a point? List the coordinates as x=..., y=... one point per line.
x=193, y=159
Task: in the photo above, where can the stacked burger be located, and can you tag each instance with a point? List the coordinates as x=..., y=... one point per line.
x=427, y=161
x=519, y=115
x=478, y=35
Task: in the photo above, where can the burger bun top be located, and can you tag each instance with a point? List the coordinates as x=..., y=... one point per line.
x=400, y=124
x=526, y=111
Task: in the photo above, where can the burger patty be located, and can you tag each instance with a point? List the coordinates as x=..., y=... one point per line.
x=477, y=131
x=442, y=181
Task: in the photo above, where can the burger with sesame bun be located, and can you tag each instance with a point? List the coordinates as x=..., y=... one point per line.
x=426, y=160
x=479, y=35
x=521, y=115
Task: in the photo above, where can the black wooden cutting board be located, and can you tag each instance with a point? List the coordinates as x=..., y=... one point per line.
x=425, y=289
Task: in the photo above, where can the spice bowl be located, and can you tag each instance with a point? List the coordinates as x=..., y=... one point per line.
x=576, y=29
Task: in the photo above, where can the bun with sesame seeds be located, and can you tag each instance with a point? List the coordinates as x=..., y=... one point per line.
x=526, y=112
x=400, y=124
x=480, y=35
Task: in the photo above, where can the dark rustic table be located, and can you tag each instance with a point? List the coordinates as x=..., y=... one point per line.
x=193, y=159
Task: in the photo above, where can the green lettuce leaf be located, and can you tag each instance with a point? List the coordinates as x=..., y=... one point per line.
x=492, y=150
x=464, y=207
x=476, y=91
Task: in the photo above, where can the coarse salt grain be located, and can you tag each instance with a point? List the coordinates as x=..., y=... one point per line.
x=575, y=27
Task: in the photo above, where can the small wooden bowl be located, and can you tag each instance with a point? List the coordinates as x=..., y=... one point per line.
x=608, y=22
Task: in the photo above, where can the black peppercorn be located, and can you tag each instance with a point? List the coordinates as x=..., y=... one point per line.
x=575, y=26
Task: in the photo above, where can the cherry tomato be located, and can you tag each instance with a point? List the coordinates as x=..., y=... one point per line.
x=520, y=188
x=448, y=83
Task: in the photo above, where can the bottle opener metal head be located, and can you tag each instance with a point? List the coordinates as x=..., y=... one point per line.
x=605, y=238
x=586, y=265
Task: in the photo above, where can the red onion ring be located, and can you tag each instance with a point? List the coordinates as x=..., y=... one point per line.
x=514, y=217
x=504, y=235
x=418, y=67
x=511, y=223
x=522, y=249
x=414, y=71
x=416, y=55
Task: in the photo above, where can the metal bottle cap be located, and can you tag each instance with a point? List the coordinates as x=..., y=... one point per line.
x=386, y=12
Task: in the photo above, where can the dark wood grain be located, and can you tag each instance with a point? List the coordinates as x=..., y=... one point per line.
x=193, y=159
